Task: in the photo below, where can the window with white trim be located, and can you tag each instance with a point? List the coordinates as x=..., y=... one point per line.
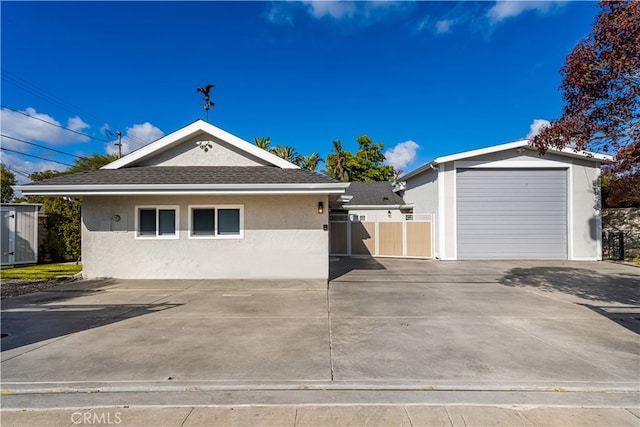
x=157, y=222
x=216, y=222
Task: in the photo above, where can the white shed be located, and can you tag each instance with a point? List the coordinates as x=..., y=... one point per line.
x=19, y=233
x=508, y=202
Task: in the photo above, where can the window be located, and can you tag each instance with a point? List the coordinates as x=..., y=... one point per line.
x=157, y=222
x=215, y=222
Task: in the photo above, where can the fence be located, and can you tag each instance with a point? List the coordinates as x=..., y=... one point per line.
x=412, y=237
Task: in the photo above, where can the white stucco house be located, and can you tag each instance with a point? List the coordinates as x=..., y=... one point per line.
x=508, y=202
x=201, y=203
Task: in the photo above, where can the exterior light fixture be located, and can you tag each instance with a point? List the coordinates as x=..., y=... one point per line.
x=320, y=207
x=115, y=218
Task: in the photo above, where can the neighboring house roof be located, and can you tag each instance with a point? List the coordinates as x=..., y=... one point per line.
x=525, y=143
x=371, y=195
x=199, y=126
x=187, y=180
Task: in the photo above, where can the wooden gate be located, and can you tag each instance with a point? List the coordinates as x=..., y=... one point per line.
x=410, y=238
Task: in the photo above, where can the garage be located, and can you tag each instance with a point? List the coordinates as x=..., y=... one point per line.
x=511, y=213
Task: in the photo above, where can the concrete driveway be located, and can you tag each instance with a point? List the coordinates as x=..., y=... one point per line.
x=384, y=324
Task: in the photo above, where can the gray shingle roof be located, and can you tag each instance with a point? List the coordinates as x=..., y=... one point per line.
x=372, y=194
x=196, y=175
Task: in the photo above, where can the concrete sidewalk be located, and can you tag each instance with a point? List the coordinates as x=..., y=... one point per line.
x=326, y=416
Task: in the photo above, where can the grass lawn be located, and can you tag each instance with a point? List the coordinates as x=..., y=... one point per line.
x=41, y=271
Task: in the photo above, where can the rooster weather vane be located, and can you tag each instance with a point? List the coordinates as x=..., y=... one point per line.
x=207, y=100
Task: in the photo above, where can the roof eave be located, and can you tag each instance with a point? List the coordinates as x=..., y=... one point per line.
x=179, y=189
x=524, y=143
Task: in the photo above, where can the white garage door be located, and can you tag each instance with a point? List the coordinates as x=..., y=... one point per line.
x=511, y=213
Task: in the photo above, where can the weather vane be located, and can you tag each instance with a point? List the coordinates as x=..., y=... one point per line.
x=207, y=100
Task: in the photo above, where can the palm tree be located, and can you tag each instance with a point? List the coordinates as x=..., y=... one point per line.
x=287, y=153
x=263, y=142
x=310, y=162
x=336, y=163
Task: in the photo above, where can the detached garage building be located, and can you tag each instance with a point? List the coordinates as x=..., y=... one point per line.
x=508, y=202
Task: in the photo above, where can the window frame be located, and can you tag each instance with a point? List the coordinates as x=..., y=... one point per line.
x=215, y=235
x=158, y=208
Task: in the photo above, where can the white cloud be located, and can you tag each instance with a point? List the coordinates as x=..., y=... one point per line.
x=509, y=9
x=279, y=13
x=333, y=9
x=362, y=12
x=444, y=25
x=20, y=167
x=536, y=126
x=402, y=154
x=20, y=126
x=135, y=137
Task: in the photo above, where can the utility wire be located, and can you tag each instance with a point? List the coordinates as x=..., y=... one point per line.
x=12, y=169
x=20, y=83
x=54, y=124
x=36, y=157
x=38, y=145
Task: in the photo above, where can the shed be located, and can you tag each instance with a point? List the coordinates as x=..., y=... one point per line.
x=508, y=202
x=19, y=233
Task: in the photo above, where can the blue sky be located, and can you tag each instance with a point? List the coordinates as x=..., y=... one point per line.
x=425, y=78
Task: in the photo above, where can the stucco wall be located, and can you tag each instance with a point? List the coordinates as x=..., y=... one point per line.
x=283, y=238
x=584, y=198
x=189, y=153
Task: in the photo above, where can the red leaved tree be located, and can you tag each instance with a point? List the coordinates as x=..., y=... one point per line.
x=601, y=87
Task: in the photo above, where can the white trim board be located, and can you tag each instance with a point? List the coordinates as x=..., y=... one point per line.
x=192, y=130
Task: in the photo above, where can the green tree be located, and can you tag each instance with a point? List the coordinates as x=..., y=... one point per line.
x=263, y=142
x=366, y=165
x=7, y=180
x=601, y=88
x=310, y=162
x=287, y=153
x=63, y=240
x=336, y=164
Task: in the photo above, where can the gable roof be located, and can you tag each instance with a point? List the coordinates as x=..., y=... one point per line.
x=187, y=180
x=189, y=131
x=372, y=194
x=524, y=143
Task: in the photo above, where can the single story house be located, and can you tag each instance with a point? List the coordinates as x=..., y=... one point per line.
x=20, y=233
x=509, y=202
x=201, y=203
x=368, y=201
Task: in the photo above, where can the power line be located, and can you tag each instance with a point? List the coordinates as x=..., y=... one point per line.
x=14, y=170
x=20, y=83
x=53, y=124
x=38, y=145
x=35, y=157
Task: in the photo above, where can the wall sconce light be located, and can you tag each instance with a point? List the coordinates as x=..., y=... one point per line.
x=389, y=214
x=320, y=207
x=115, y=218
